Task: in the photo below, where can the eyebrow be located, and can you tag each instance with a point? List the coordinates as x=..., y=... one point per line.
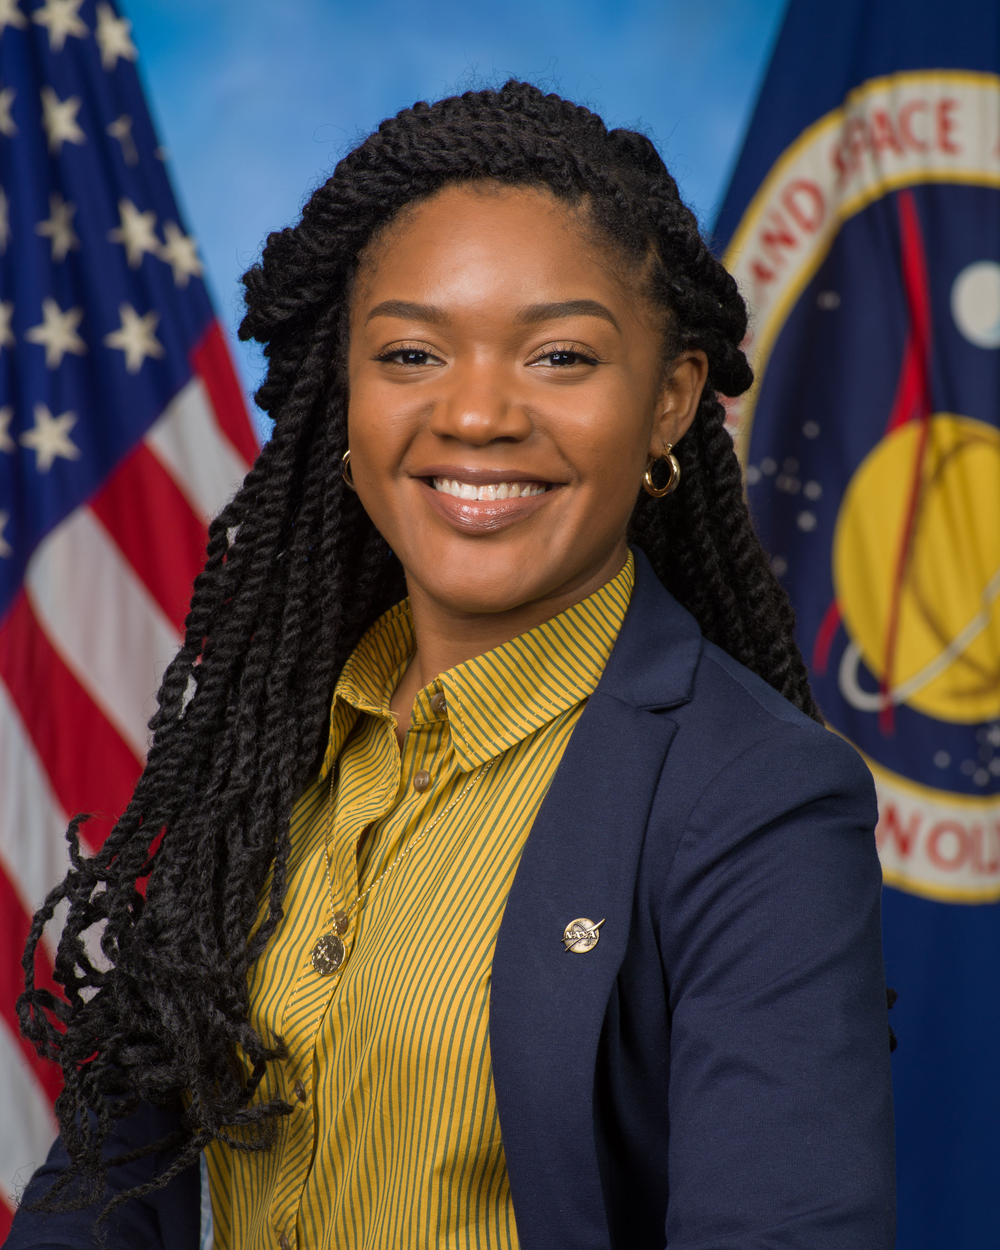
x=533, y=314
x=536, y=313
x=407, y=311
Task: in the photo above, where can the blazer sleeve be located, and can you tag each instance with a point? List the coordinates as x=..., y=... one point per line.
x=166, y=1219
x=780, y=1102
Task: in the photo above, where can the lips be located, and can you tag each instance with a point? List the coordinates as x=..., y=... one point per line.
x=481, y=501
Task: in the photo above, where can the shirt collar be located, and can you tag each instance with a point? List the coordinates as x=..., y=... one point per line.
x=496, y=699
x=372, y=672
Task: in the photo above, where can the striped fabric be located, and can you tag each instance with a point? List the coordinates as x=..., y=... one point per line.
x=394, y=1140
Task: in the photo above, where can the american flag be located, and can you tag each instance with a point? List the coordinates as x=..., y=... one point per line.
x=122, y=430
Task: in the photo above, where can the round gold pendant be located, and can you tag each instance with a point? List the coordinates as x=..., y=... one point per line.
x=328, y=954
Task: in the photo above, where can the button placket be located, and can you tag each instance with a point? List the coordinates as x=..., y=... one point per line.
x=343, y=850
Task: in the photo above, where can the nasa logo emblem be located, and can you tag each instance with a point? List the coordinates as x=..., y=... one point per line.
x=870, y=258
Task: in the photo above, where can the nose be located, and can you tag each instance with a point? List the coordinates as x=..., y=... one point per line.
x=479, y=406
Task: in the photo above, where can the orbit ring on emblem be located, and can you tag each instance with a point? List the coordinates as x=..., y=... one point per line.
x=581, y=935
x=328, y=954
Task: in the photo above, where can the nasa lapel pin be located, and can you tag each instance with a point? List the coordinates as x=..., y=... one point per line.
x=581, y=935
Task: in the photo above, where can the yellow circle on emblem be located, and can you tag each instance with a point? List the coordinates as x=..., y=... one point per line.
x=916, y=567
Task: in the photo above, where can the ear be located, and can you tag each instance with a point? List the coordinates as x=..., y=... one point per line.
x=678, y=400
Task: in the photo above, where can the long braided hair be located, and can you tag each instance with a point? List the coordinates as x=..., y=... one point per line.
x=295, y=572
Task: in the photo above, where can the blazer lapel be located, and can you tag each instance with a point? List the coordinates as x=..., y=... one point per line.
x=547, y=1004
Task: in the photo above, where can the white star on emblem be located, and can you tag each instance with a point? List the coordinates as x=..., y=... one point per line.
x=135, y=337
x=62, y=17
x=4, y=221
x=59, y=119
x=137, y=233
x=180, y=252
x=11, y=15
x=57, y=333
x=7, y=444
x=7, y=124
x=59, y=227
x=6, y=333
x=112, y=35
x=6, y=550
x=50, y=438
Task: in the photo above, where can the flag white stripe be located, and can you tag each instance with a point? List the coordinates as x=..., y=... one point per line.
x=189, y=444
x=26, y=1106
x=32, y=845
x=103, y=622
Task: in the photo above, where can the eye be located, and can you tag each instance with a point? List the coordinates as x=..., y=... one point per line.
x=408, y=357
x=563, y=358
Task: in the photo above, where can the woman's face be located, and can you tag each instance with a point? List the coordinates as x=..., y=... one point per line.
x=506, y=388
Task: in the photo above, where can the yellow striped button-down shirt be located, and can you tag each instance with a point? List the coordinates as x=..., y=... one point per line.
x=394, y=1142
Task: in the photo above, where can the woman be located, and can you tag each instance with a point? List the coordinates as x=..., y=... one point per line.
x=561, y=928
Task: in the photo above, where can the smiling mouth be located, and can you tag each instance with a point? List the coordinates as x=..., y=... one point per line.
x=488, y=493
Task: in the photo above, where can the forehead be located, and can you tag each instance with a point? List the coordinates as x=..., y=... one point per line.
x=519, y=243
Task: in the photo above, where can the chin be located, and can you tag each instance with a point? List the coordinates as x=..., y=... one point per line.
x=478, y=593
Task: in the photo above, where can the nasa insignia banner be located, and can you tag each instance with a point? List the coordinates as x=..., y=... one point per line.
x=863, y=226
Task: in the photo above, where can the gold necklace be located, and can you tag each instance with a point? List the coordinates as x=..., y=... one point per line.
x=329, y=951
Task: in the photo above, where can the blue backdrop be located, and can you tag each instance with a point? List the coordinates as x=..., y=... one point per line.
x=256, y=100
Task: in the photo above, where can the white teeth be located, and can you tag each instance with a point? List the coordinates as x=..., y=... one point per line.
x=483, y=494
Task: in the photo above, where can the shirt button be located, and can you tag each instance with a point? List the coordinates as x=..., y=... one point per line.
x=340, y=921
x=421, y=780
x=300, y=1091
x=284, y=1243
x=439, y=703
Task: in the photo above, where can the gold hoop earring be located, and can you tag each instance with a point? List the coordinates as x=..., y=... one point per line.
x=672, y=481
x=345, y=471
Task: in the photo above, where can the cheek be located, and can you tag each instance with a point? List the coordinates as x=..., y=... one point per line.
x=377, y=435
x=611, y=454
x=371, y=459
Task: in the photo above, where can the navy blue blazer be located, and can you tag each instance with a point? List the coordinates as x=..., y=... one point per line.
x=714, y=1073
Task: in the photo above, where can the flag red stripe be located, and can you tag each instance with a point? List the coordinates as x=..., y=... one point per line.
x=824, y=638
x=14, y=925
x=211, y=359
x=916, y=379
x=147, y=515
x=88, y=763
x=913, y=391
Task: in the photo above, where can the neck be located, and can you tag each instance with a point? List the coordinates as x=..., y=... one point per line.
x=446, y=637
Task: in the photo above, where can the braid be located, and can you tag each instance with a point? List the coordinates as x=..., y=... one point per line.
x=294, y=574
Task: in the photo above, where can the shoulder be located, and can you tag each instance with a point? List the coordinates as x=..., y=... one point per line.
x=736, y=731
x=751, y=788
x=734, y=738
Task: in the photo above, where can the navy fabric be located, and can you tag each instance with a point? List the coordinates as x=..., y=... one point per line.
x=714, y=1074
x=169, y=1217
